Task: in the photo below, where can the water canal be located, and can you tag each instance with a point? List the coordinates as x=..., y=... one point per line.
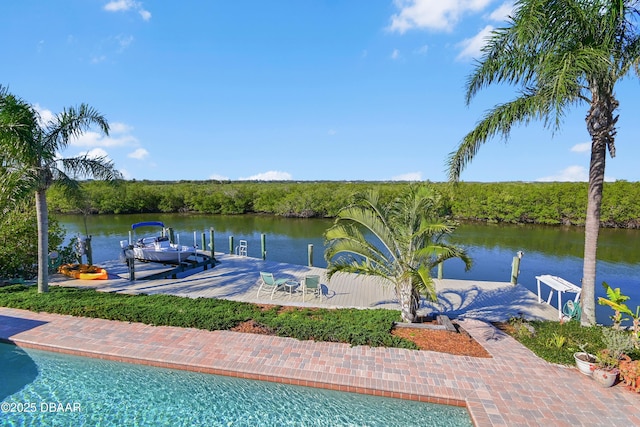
x=547, y=250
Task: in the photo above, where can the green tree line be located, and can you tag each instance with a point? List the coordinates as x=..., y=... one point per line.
x=551, y=203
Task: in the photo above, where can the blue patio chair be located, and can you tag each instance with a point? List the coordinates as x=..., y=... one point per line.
x=269, y=282
x=311, y=284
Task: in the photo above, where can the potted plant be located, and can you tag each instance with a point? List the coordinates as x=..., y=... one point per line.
x=608, y=359
x=606, y=370
x=586, y=362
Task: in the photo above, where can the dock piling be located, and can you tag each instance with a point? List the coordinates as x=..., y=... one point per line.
x=213, y=249
x=515, y=267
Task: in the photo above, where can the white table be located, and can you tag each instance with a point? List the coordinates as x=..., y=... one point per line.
x=559, y=284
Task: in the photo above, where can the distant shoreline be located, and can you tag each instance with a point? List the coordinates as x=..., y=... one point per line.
x=547, y=203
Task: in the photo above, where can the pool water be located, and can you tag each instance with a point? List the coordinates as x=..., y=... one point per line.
x=39, y=388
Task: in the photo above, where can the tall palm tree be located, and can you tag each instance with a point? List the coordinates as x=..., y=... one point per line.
x=399, y=242
x=559, y=53
x=30, y=162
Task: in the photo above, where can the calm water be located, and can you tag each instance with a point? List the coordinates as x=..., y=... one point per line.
x=548, y=250
x=49, y=389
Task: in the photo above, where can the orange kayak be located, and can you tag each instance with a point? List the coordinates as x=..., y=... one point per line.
x=83, y=271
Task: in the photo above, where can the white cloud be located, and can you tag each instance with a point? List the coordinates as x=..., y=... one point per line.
x=95, y=153
x=269, y=176
x=218, y=177
x=502, y=12
x=118, y=5
x=471, y=48
x=126, y=174
x=95, y=139
x=411, y=176
x=584, y=147
x=126, y=5
x=118, y=127
x=573, y=174
x=395, y=54
x=440, y=15
x=45, y=115
x=139, y=154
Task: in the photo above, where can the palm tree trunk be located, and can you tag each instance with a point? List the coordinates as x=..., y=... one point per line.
x=407, y=304
x=591, y=231
x=601, y=126
x=42, y=215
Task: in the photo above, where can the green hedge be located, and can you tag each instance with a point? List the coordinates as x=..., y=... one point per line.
x=356, y=327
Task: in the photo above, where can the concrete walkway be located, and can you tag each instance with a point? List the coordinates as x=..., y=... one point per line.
x=512, y=388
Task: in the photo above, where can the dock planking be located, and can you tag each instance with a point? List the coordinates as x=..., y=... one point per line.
x=237, y=278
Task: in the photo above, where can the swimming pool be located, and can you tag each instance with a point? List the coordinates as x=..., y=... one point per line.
x=42, y=388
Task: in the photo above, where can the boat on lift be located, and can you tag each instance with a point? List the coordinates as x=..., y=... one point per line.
x=157, y=248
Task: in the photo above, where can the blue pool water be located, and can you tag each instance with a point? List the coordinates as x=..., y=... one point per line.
x=40, y=388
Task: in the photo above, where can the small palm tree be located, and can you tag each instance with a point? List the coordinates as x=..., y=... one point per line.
x=560, y=54
x=30, y=162
x=400, y=242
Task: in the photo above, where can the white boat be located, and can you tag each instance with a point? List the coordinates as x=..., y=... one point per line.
x=157, y=248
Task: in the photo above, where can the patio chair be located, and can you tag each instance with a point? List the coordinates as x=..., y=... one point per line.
x=311, y=284
x=269, y=282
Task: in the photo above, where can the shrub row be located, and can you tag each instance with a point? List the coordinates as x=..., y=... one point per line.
x=512, y=202
x=356, y=327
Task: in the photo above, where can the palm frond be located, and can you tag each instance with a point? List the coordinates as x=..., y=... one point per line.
x=499, y=120
x=423, y=283
x=90, y=167
x=72, y=123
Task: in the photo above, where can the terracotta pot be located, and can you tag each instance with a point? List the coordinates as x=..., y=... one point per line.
x=586, y=362
x=604, y=377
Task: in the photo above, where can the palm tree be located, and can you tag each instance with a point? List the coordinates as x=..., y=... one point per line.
x=399, y=242
x=30, y=162
x=559, y=53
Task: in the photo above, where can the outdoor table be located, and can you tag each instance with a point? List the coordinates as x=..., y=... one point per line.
x=559, y=284
x=290, y=285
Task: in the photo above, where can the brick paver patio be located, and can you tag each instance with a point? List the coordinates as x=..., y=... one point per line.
x=513, y=388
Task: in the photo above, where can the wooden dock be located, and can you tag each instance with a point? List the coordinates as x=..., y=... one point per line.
x=237, y=278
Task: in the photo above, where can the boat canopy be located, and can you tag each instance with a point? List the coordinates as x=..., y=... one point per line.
x=147, y=224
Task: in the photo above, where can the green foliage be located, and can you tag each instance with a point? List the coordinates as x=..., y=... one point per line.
x=554, y=203
x=357, y=327
x=556, y=342
x=547, y=332
x=616, y=342
x=615, y=299
x=399, y=241
x=19, y=241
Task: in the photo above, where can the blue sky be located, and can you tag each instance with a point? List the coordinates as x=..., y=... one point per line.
x=287, y=89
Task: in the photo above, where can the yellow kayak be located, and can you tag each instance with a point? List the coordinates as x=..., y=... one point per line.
x=83, y=271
